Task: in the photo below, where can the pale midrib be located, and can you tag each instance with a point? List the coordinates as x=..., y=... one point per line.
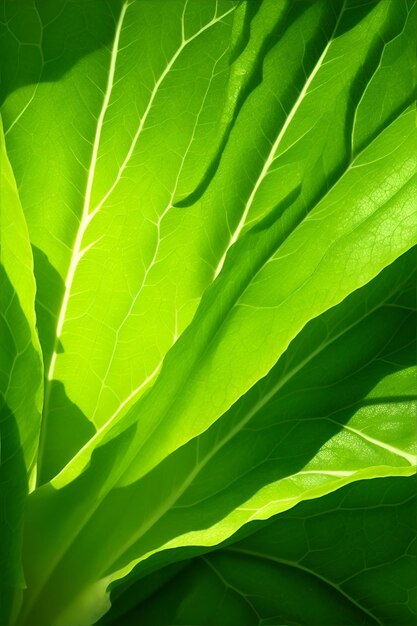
x=272, y=154
x=86, y=216
x=302, y=568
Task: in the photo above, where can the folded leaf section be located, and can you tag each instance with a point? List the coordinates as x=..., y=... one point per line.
x=21, y=382
x=315, y=423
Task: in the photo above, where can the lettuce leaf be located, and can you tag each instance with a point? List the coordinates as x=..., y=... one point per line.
x=220, y=200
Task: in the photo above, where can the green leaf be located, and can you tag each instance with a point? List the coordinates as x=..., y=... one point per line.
x=347, y=558
x=20, y=382
x=224, y=282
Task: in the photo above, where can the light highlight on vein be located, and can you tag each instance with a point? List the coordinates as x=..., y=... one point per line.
x=86, y=216
x=411, y=458
x=155, y=89
x=338, y=473
x=78, y=252
x=277, y=143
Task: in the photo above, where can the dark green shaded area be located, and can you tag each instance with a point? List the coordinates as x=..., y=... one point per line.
x=343, y=559
x=18, y=364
